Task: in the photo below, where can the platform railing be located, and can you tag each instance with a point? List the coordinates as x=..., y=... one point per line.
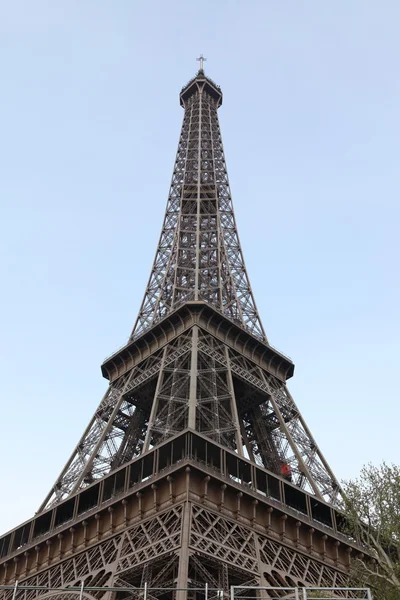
x=20, y=591
x=296, y=593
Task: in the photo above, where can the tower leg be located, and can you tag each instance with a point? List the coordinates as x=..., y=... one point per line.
x=224, y=581
x=183, y=568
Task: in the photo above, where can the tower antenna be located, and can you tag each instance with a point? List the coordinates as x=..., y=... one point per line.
x=201, y=60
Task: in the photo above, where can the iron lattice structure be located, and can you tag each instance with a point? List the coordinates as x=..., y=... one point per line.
x=199, y=255
x=197, y=467
x=196, y=380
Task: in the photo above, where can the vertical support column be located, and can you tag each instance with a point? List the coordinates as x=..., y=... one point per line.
x=234, y=412
x=246, y=441
x=154, y=407
x=146, y=579
x=183, y=568
x=15, y=590
x=224, y=580
x=185, y=127
x=193, y=379
x=262, y=594
x=197, y=274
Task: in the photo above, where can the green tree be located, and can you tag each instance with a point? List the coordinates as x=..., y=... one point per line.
x=373, y=517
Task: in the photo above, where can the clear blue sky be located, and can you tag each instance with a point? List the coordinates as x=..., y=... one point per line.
x=89, y=123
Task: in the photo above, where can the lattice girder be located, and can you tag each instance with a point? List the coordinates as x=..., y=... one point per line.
x=199, y=255
x=200, y=382
x=215, y=548
x=217, y=374
x=197, y=468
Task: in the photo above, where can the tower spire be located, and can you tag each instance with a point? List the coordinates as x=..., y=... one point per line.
x=199, y=256
x=201, y=60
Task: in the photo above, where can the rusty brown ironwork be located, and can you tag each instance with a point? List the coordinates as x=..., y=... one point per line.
x=197, y=467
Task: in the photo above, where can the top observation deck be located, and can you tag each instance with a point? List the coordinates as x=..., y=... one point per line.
x=198, y=83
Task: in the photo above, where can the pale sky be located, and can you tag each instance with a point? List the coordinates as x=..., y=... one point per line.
x=89, y=124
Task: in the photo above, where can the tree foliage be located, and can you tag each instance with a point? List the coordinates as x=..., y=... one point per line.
x=373, y=516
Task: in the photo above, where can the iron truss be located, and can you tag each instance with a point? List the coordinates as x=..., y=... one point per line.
x=220, y=552
x=198, y=379
x=199, y=382
x=199, y=256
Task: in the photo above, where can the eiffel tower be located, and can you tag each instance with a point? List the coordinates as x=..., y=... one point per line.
x=197, y=467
